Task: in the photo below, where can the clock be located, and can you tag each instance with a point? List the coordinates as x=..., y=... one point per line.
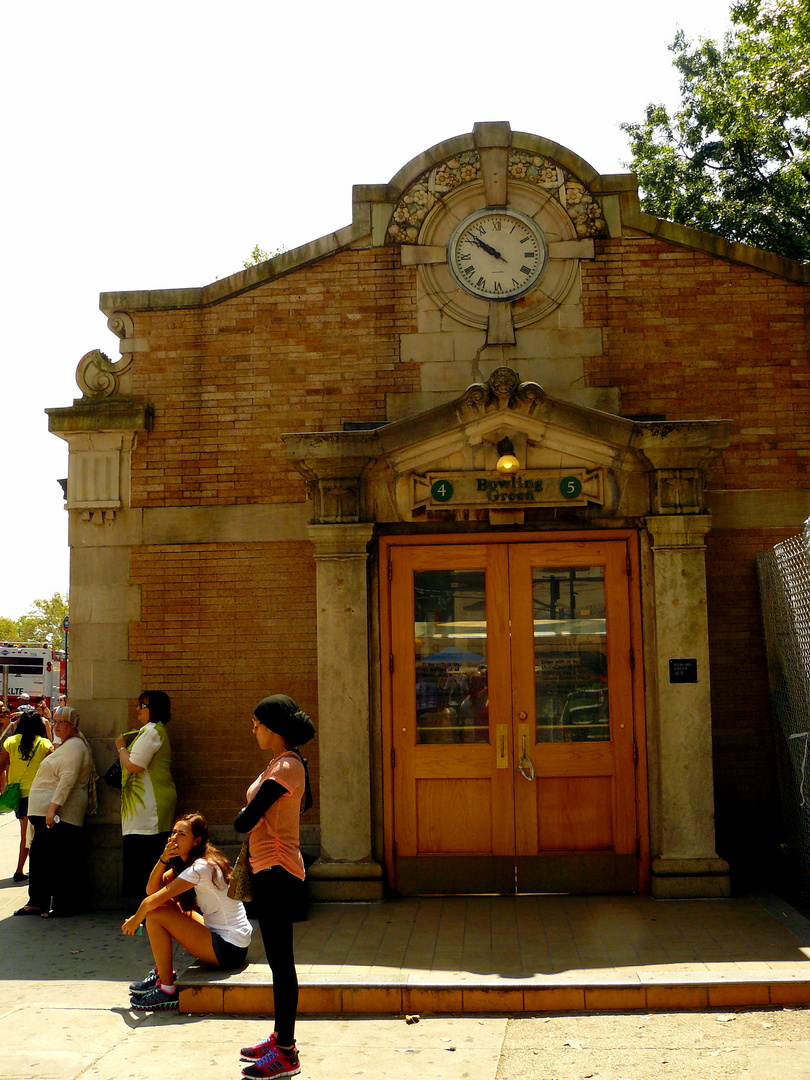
x=497, y=254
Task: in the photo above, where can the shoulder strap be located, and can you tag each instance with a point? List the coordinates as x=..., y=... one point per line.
x=33, y=753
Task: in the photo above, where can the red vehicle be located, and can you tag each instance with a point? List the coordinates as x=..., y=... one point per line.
x=29, y=667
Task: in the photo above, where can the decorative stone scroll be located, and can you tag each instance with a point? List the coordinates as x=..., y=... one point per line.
x=97, y=376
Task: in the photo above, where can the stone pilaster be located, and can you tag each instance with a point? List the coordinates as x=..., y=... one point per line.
x=684, y=862
x=346, y=869
x=101, y=431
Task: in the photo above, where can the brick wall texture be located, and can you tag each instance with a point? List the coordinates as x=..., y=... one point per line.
x=685, y=335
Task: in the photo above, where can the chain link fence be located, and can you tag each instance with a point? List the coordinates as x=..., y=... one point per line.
x=784, y=585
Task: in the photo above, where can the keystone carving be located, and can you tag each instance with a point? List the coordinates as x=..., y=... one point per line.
x=504, y=388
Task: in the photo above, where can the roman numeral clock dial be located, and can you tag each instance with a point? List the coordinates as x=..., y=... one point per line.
x=497, y=254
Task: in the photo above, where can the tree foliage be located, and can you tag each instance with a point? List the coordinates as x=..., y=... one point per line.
x=735, y=157
x=42, y=622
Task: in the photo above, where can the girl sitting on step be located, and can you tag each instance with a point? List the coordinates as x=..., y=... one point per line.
x=218, y=933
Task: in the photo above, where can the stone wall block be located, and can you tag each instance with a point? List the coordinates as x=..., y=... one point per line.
x=583, y=342
x=100, y=641
x=104, y=603
x=420, y=348
x=115, y=678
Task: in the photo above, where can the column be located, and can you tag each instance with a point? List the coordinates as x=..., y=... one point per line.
x=346, y=869
x=685, y=863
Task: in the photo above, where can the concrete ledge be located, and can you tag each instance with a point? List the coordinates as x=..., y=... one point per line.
x=318, y=999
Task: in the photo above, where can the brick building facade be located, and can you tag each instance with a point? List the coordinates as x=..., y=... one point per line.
x=653, y=383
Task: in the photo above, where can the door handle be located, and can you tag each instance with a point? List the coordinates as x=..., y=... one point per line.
x=525, y=766
x=502, y=738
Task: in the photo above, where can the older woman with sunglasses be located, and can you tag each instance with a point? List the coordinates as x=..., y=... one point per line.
x=57, y=804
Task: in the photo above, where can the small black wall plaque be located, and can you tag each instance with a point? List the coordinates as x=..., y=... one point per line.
x=684, y=670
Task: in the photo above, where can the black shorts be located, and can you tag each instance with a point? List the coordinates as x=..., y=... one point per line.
x=228, y=955
x=22, y=810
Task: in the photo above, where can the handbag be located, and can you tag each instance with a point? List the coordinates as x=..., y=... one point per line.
x=240, y=886
x=112, y=777
x=10, y=799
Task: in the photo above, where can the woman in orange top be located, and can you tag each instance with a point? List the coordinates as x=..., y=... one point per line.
x=271, y=820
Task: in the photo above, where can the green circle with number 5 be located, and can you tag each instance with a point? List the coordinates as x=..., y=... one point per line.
x=570, y=487
x=441, y=490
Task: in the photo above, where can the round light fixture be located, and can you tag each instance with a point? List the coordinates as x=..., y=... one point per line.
x=507, y=464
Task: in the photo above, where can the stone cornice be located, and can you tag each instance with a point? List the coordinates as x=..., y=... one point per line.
x=712, y=244
x=96, y=416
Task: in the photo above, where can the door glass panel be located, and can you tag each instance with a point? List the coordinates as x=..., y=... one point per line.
x=570, y=654
x=450, y=636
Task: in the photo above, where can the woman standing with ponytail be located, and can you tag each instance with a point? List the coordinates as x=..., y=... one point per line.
x=270, y=818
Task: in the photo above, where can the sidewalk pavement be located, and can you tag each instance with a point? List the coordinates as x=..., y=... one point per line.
x=65, y=1016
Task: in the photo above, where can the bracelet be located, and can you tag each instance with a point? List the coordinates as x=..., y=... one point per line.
x=163, y=861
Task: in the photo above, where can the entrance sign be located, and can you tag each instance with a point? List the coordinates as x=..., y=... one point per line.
x=531, y=487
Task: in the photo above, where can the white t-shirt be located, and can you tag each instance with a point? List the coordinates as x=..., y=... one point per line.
x=221, y=915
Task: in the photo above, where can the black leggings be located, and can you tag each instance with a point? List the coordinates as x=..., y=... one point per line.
x=275, y=895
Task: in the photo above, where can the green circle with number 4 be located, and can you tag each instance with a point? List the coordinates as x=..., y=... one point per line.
x=570, y=487
x=441, y=490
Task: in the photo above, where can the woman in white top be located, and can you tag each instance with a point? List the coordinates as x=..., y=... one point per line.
x=57, y=804
x=218, y=933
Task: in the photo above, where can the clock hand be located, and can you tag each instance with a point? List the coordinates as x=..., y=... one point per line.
x=489, y=250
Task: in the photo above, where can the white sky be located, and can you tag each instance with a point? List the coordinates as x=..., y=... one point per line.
x=152, y=144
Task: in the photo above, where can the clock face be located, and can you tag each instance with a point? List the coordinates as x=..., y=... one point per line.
x=497, y=254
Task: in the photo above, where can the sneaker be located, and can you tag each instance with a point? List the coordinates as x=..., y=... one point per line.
x=147, y=984
x=156, y=999
x=260, y=1050
x=276, y=1063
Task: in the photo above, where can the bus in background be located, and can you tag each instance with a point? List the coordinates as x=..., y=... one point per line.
x=29, y=667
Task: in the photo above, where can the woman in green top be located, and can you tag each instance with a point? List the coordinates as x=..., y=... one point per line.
x=22, y=754
x=148, y=794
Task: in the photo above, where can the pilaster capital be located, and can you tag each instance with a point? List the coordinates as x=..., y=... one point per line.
x=346, y=541
x=678, y=530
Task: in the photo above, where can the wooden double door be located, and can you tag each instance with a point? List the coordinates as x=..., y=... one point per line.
x=513, y=718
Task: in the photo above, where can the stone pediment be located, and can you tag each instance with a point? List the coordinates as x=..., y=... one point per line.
x=574, y=462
